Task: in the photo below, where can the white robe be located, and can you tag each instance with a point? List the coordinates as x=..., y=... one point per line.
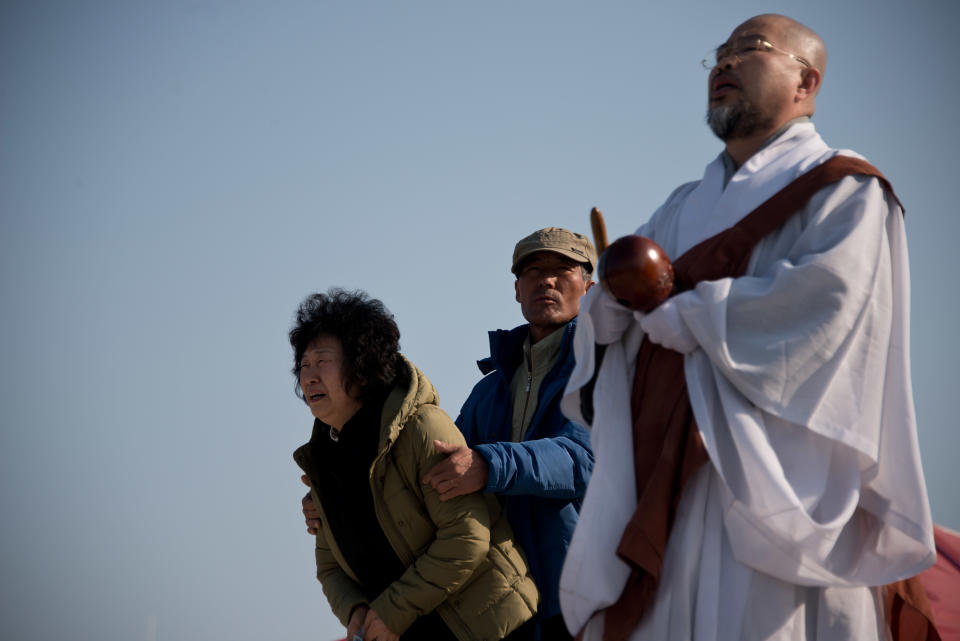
x=801, y=391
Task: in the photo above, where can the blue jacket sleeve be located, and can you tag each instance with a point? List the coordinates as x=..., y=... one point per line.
x=554, y=467
x=556, y=460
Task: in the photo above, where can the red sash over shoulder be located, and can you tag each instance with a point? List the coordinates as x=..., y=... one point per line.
x=667, y=444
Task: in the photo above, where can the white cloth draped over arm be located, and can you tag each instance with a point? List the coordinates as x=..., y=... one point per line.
x=593, y=575
x=664, y=326
x=801, y=391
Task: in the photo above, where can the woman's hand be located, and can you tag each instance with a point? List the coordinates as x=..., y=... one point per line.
x=356, y=620
x=376, y=630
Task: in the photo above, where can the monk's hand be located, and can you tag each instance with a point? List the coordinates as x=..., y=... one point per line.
x=310, y=512
x=357, y=617
x=463, y=472
x=665, y=326
x=376, y=630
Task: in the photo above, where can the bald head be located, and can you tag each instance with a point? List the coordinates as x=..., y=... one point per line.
x=787, y=33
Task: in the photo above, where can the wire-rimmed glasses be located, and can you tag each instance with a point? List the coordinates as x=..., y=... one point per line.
x=742, y=48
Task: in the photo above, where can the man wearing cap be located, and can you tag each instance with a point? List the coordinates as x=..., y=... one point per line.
x=520, y=446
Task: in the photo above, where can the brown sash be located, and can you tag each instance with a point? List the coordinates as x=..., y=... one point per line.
x=667, y=445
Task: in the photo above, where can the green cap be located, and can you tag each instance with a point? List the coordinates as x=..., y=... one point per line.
x=557, y=240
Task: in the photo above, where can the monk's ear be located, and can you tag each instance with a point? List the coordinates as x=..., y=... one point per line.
x=809, y=84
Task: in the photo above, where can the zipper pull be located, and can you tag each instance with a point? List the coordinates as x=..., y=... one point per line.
x=529, y=380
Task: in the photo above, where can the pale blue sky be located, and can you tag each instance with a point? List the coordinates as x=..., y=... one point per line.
x=176, y=176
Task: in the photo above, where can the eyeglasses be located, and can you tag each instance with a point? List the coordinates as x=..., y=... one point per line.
x=739, y=50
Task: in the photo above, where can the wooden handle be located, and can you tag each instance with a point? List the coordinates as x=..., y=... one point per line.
x=599, y=230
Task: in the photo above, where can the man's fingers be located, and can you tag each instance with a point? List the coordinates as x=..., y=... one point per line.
x=311, y=515
x=428, y=477
x=310, y=510
x=437, y=473
x=445, y=448
x=451, y=488
x=451, y=492
x=444, y=470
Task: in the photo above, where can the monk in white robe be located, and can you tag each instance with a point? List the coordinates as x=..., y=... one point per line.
x=798, y=493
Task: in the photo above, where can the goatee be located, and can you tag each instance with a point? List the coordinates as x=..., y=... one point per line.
x=740, y=120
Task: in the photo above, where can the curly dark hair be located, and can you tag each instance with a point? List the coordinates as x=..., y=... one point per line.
x=366, y=331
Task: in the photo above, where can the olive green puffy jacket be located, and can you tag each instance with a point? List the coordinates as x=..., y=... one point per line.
x=460, y=555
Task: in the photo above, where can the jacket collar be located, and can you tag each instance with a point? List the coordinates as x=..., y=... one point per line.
x=506, y=348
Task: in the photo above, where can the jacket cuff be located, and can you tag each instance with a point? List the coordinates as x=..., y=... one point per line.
x=494, y=469
x=395, y=618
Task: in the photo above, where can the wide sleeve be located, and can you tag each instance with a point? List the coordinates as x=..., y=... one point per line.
x=462, y=529
x=801, y=391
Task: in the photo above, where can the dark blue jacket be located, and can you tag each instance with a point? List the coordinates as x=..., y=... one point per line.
x=542, y=479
